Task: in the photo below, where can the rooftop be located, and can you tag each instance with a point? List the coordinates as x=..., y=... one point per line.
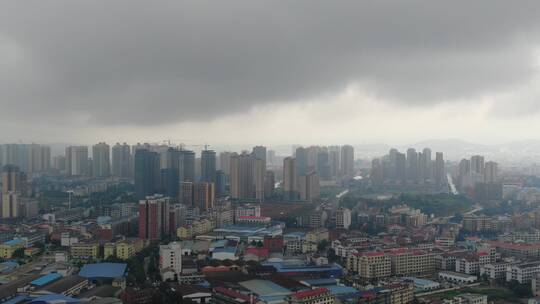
x=232, y=294
x=46, y=279
x=13, y=242
x=264, y=288
x=309, y=293
x=103, y=270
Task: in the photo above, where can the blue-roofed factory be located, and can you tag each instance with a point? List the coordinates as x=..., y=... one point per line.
x=54, y=298
x=46, y=279
x=327, y=271
x=103, y=271
x=13, y=242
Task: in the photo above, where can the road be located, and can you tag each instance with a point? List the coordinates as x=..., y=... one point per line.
x=342, y=193
x=452, y=185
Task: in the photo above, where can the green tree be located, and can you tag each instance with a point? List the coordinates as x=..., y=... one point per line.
x=322, y=245
x=18, y=253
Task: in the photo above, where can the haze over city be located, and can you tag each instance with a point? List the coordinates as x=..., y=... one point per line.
x=265, y=152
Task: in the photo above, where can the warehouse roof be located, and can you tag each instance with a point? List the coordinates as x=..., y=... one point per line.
x=46, y=279
x=103, y=270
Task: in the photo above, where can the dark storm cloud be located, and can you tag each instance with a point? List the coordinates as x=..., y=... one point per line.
x=153, y=62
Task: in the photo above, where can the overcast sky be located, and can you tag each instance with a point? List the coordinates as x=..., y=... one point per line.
x=270, y=72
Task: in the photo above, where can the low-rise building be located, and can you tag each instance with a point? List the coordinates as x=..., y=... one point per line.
x=370, y=265
x=314, y=296
x=494, y=270
x=317, y=235
x=170, y=261
x=301, y=247
x=84, y=251
x=523, y=273
x=456, y=277
x=109, y=250
x=8, y=248
x=411, y=262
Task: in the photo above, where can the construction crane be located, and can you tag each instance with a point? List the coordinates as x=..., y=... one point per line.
x=171, y=142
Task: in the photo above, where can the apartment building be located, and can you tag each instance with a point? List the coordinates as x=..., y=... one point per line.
x=370, y=265
x=411, y=262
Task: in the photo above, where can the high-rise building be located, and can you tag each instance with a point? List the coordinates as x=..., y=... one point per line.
x=259, y=152
x=11, y=179
x=334, y=153
x=242, y=176
x=12, y=184
x=121, y=161
x=187, y=166
x=490, y=172
x=428, y=170
x=10, y=205
x=204, y=195
x=269, y=183
x=39, y=158
x=221, y=183
x=301, y=160
x=101, y=160
x=464, y=174
x=308, y=186
x=208, y=166
x=147, y=173
x=170, y=173
x=377, y=172
x=260, y=171
x=153, y=217
x=347, y=160
x=477, y=164
x=77, y=160
x=401, y=166
x=9, y=154
x=271, y=157
x=59, y=163
x=323, y=164
x=187, y=193
x=412, y=164
x=225, y=162
x=290, y=182
x=440, y=172
x=312, y=158
x=343, y=218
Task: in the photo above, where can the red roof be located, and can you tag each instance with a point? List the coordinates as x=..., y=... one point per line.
x=521, y=246
x=372, y=254
x=232, y=293
x=261, y=252
x=398, y=250
x=309, y=293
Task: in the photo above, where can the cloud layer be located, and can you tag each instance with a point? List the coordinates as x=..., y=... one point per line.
x=133, y=63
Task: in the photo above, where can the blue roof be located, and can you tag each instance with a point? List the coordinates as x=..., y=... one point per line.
x=281, y=267
x=320, y=282
x=46, y=279
x=342, y=290
x=218, y=243
x=13, y=242
x=421, y=282
x=103, y=270
x=8, y=266
x=17, y=299
x=226, y=249
x=265, y=288
x=54, y=298
x=295, y=234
